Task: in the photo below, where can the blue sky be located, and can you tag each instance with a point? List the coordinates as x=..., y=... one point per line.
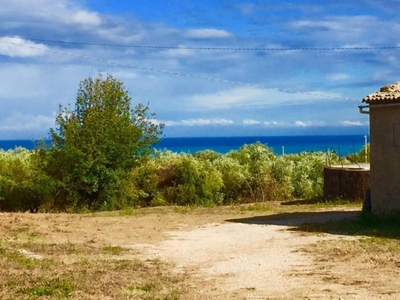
x=224, y=92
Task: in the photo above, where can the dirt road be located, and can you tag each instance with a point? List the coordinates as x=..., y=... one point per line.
x=256, y=258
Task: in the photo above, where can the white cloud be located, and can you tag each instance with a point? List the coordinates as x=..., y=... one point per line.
x=18, y=122
x=352, y=123
x=154, y=121
x=336, y=23
x=222, y=122
x=198, y=122
x=207, y=33
x=251, y=122
x=202, y=122
x=120, y=35
x=169, y=123
x=41, y=85
x=272, y=123
x=337, y=76
x=60, y=11
x=349, y=30
x=18, y=47
x=85, y=18
x=173, y=53
x=303, y=124
x=308, y=124
x=252, y=96
x=228, y=98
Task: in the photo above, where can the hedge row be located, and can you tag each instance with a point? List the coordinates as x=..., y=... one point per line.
x=253, y=173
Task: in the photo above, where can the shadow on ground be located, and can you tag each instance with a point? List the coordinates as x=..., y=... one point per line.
x=299, y=218
x=316, y=201
x=333, y=222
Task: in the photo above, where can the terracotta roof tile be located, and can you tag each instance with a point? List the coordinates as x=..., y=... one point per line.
x=387, y=94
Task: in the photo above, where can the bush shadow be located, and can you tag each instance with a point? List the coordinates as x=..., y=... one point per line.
x=302, y=202
x=299, y=218
x=318, y=201
x=352, y=223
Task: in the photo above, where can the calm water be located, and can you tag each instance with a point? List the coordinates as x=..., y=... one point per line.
x=289, y=144
x=342, y=144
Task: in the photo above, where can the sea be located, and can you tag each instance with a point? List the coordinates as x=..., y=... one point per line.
x=341, y=144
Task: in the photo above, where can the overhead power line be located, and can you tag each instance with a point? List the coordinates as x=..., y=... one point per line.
x=91, y=58
x=219, y=48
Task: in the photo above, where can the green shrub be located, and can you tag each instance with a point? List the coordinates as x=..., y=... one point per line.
x=307, y=173
x=258, y=160
x=282, y=170
x=235, y=188
x=183, y=179
x=18, y=188
x=207, y=155
x=194, y=182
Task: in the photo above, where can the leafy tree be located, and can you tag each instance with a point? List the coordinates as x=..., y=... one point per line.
x=97, y=144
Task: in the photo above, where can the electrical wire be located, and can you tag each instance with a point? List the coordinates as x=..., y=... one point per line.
x=220, y=48
x=91, y=58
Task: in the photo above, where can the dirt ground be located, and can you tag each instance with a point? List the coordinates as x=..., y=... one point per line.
x=227, y=253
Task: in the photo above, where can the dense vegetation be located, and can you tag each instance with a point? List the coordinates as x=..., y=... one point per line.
x=101, y=159
x=250, y=174
x=253, y=173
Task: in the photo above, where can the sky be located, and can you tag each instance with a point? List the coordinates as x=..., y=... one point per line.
x=213, y=68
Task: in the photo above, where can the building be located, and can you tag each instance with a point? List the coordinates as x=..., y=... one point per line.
x=384, y=114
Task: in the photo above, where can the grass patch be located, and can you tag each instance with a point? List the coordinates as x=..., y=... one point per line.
x=51, y=249
x=149, y=292
x=140, y=289
x=129, y=211
x=147, y=287
x=89, y=277
x=376, y=251
x=113, y=250
x=256, y=207
x=59, y=288
x=24, y=228
x=18, y=260
x=173, y=295
x=125, y=264
x=370, y=256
